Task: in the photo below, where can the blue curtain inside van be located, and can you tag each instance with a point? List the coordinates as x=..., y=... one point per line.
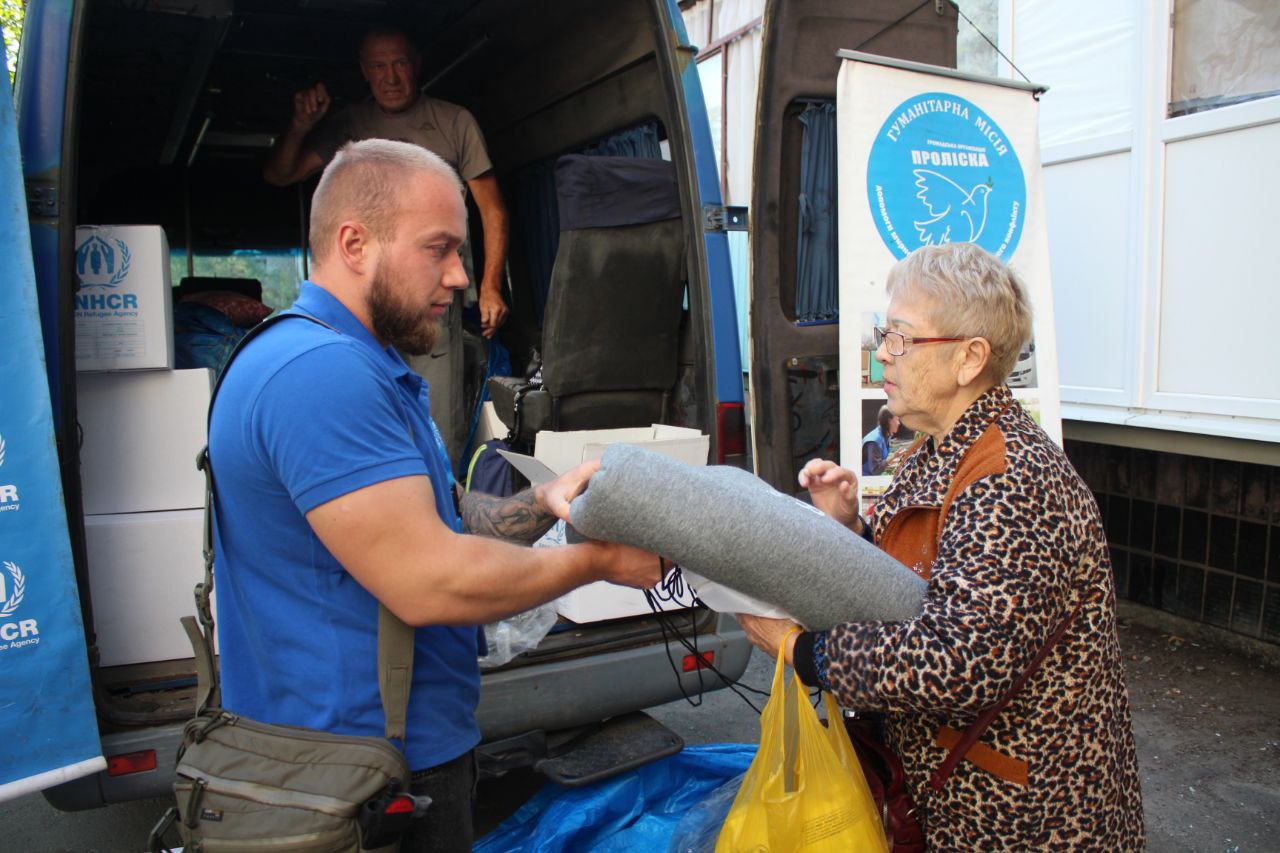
x=536, y=216
x=817, y=286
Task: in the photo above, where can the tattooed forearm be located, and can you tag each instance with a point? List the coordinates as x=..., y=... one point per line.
x=517, y=518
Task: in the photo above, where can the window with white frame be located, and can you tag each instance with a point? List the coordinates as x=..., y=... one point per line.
x=1223, y=53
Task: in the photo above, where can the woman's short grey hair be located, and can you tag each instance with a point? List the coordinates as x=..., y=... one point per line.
x=362, y=183
x=974, y=295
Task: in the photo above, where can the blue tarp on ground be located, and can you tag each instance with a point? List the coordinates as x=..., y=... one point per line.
x=636, y=811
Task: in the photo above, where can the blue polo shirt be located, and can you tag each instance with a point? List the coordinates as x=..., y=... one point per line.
x=307, y=414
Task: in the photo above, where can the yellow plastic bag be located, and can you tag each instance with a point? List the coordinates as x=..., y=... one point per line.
x=804, y=791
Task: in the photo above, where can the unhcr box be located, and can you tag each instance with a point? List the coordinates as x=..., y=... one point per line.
x=124, y=304
x=140, y=433
x=142, y=568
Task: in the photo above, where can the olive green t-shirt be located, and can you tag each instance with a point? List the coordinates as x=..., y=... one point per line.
x=440, y=127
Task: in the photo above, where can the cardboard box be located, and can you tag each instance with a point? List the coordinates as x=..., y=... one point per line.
x=557, y=452
x=142, y=570
x=124, y=299
x=491, y=426
x=142, y=431
x=561, y=451
x=599, y=601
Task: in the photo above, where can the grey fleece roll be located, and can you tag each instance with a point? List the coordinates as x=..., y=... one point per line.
x=731, y=527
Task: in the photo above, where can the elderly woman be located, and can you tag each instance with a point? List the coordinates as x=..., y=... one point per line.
x=991, y=513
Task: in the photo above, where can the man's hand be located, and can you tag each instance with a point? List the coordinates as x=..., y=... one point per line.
x=288, y=161
x=493, y=311
x=630, y=566
x=766, y=634
x=494, y=220
x=309, y=106
x=556, y=495
x=834, y=489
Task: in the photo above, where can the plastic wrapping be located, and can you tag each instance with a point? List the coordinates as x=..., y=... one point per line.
x=522, y=632
x=516, y=635
x=1223, y=53
x=698, y=830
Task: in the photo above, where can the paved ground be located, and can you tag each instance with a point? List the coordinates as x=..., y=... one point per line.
x=1207, y=723
x=1206, y=718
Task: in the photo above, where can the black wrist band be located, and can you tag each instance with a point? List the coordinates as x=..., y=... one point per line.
x=802, y=659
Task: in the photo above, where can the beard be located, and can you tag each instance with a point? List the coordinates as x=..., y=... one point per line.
x=411, y=331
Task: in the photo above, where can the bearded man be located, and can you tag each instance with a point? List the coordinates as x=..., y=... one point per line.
x=334, y=492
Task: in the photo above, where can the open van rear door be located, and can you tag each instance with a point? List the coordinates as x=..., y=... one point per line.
x=52, y=731
x=795, y=358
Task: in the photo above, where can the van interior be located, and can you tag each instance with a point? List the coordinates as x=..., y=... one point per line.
x=180, y=100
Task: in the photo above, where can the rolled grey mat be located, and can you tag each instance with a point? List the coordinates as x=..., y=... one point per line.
x=731, y=527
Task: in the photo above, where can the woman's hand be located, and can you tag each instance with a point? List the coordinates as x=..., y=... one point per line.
x=765, y=634
x=834, y=489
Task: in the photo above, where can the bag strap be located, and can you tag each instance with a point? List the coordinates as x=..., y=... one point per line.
x=984, y=719
x=395, y=638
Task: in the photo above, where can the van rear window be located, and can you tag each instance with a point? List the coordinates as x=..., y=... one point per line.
x=279, y=271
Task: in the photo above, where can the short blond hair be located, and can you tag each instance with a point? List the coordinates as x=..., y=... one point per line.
x=974, y=295
x=363, y=182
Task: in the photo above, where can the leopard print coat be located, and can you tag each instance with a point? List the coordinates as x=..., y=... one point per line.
x=1016, y=551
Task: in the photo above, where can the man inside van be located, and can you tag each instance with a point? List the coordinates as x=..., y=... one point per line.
x=390, y=63
x=334, y=492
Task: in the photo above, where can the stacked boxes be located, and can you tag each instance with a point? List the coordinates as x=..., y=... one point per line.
x=144, y=507
x=142, y=424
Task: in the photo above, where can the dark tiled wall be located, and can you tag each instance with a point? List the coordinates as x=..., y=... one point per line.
x=1196, y=537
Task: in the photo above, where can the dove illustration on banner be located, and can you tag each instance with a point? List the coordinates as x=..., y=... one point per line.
x=958, y=215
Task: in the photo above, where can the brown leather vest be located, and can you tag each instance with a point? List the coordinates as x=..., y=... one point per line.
x=912, y=535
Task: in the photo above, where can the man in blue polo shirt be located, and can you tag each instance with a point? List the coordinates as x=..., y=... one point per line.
x=334, y=492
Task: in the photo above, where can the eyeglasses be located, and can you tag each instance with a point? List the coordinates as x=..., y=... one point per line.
x=896, y=342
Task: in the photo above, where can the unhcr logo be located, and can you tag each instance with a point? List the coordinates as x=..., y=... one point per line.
x=13, y=586
x=24, y=632
x=100, y=264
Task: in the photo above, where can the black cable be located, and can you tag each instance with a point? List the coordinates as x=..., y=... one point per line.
x=884, y=30
x=959, y=12
x=672, y=589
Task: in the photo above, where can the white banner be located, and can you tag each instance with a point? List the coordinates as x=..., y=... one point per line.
x=930, y=159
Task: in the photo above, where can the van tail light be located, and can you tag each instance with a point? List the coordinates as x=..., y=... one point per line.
x=400, y=805
x=704, y=660
x=731, y=431
x=131, y=762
